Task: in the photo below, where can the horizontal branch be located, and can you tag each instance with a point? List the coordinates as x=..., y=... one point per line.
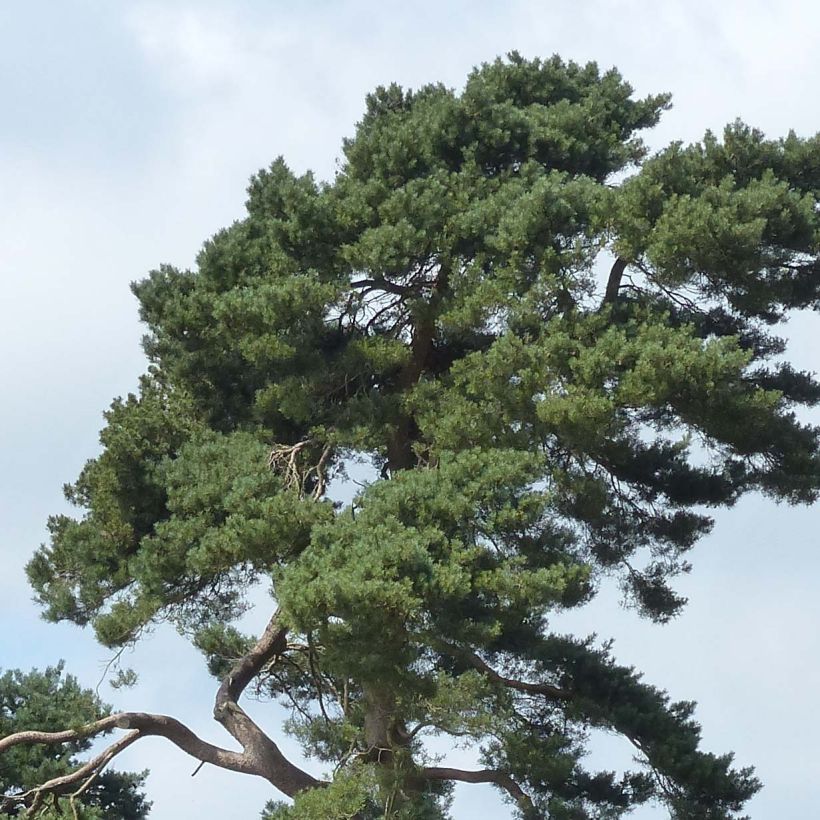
x=30, y=738
x=497, y=778
x=477, y=662
x=381, y=284
x=147, y=725
x=260, y=756
x=183, y=738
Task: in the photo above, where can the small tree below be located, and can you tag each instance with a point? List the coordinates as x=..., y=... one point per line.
x=49, y=781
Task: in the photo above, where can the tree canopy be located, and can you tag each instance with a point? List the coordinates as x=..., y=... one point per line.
x=555, y=355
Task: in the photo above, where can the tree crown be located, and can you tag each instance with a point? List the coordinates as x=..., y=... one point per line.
x=438, y=310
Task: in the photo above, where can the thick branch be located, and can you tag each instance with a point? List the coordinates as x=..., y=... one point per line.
x=272, y=642
x=182, y=737
x=146, y=725
x=260, y=755
x=613, y=284
x=500, y=779
x=258, y=747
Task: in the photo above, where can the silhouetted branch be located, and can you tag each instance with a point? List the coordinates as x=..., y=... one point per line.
x=614, y=282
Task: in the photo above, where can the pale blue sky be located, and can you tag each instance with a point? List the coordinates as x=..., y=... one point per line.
x=127, y=133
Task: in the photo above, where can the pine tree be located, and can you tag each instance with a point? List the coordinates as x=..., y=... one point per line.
x=555, y=352
x=50, y=701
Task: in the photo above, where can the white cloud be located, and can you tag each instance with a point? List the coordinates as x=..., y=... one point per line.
x=198, y=50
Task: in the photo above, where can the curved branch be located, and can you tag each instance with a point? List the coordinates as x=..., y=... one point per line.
x=550, y=691
x=31, y=738
x=271, y=643
x=257, y=746
x=145, y=725
x=500, y=779
x=259, y=756
x=182, y=737
x=57, y=785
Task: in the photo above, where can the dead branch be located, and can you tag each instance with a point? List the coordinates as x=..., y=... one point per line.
x=147, y=725
x=286, y=460
x=33, y=798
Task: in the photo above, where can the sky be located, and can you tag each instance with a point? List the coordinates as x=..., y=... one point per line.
x=128, y=131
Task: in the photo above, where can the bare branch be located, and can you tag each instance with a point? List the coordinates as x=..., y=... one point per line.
x=146, y=725
x=258, y=747
x=550, y=691
x=30, y=738
x=271, y=643
x=260, y=755
x=182, y=737
x=614, y=282
x=500, y=779
x=72, y=798
x=57, y=785
x=285, y=459
x=33, y=798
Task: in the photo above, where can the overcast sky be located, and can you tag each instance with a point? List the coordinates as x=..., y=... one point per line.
x=128, y=131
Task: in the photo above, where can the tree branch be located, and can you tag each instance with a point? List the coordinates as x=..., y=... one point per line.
x=57, y=785
x=614, y=282
x=259, y=756
x=381, y=284
x=146, y=725
x=500, y=779
x=30, y=738
x=258, y=746
x=550, y=691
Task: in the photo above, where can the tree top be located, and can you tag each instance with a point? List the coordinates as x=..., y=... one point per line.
x=557, y=352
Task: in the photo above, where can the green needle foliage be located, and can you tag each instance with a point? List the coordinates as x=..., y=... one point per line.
x=50, y=701
x=444, y=311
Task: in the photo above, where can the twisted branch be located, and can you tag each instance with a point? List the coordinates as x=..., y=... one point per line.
x=260, y=756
